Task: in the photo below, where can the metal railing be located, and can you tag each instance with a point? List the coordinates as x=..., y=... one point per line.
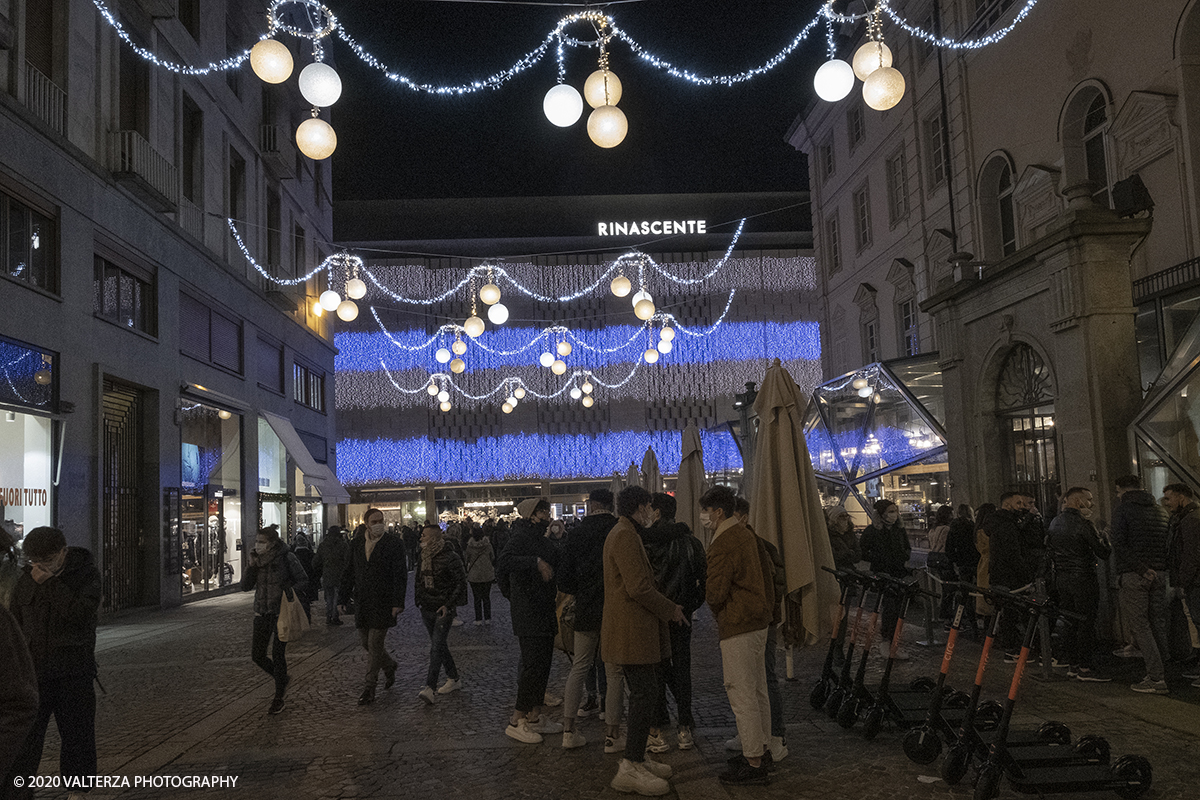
x=45, y=99
x=275, y=143
x=191, y=218
x=130, y=153
x=1164, y=281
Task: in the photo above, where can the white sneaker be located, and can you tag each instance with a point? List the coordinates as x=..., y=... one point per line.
x=478, y=623
x=457, y=622
x=522, y=732
x=686, y=742
x=901, y=654
x=614, y=744
x=551, y=700
x=778, y=748
x=451, y=685
x=1147, y=686
x=572, y=739
x=734, y=744
x=656, y=768
x=426, y=694
x=657, y=743
x=640, y=781
x=544, y=726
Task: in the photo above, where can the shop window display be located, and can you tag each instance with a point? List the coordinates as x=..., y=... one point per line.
x=1166, y=433
x=210, y=498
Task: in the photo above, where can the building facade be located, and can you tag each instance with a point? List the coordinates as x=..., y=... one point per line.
x=1028, y=212
x=161, y=399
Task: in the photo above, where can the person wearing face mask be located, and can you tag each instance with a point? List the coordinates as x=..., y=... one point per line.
x=1075, y=545
x=376, y=579
x=270, y=570
x=1009, y=564
x=525, y=572
x=886, y=546
x=56, y=603
x=438, y=584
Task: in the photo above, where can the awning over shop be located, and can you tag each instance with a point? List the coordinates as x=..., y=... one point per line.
x=315, y=474
x=327, y=484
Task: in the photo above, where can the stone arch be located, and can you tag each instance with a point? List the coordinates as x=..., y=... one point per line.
x=1074, y=133
x=994, y=201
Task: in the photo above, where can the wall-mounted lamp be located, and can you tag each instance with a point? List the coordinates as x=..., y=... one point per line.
x=10, y=416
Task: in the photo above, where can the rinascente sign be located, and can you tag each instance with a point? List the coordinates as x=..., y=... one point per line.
x=658, y=227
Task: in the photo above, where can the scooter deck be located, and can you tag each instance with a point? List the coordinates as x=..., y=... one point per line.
x=1017, y=739
x=1051, y=755
x=1062, y=778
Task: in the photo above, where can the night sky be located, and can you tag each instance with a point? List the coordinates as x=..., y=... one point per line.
x=396, y=143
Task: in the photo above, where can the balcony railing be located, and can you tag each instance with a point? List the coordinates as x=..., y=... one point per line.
x=1165, y=281
x=146, y=170
x=191, y=218
x=45, y=99
x=278, y=149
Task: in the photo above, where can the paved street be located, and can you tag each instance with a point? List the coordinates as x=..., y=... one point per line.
x=184, y=699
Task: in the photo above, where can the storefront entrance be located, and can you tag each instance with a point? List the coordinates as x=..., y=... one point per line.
x=210, y=499
x=124, y=556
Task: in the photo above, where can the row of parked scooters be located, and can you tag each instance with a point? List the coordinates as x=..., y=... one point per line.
x=935, y=717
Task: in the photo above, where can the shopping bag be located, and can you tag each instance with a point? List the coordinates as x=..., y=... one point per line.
x=564, y=639
x=293, y=622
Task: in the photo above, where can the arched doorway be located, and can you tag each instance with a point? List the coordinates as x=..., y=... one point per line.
x=1025, y=406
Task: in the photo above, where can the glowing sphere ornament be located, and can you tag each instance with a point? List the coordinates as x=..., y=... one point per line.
x=223, y=414
x=665, y=347
x=602, y=88
x=559, y=367
x=883, y=88
x=347, y=311
x=564, y=349
x=512, y=401
x=667, y=334
x=330, y=300
x=316, y=139
x=576, y=393
x=445, y=406
x=607, y=126
x=871, y=56
x=473, y=326
x=320, y=84
x=498, y=314
x=865, y=392
x=644, y=309
x=651, y=355
x=433, y=390
x=859, y=383
x=588, y=401
x=489, y=293
x=459, y=347
x=562, y=105
x=587, y=387
x=621, y=286
x=458, y=366
x=442, y=355
x=519, y=393
x=641, y=295
x=443, y=396
x=506, y=408
x=43, y=377
x=834, y=80
x=271, y=61
x=356, y=289
x=546, y=359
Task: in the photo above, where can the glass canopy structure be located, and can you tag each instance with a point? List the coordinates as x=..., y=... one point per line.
x=1165, y=435
x=879, y=432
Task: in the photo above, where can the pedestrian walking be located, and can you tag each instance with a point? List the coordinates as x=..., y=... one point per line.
x=333, y=554
x=272, y=569
x=481, y=573
x=1075, y=547
x=439, y=583
x=56, y=602
x=18, y=699
x=376, y=580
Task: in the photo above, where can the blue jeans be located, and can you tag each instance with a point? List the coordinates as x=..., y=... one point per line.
x=331, y=609
x=439, y=651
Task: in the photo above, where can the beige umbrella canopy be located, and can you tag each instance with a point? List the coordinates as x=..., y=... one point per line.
x=632, y=478
x=652, y=480
x=690, y=483
x=785, y=508
x=618, y=483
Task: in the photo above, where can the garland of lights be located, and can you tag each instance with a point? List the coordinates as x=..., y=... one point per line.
x=607, y=125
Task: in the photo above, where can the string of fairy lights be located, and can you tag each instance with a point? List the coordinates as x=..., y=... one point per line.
x=883, y=84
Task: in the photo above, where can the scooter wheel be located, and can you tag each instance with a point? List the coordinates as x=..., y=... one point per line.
x=847, y=714
x=1137, y=774
x=834, y=702
x=954, y=768
x=923, y=684
x=987, y=785
x=819, y=694
x=1054, y=733
x=987, y=716
x=1093, y=748
x=956, y=700
x=922, y=745
x=873, y=722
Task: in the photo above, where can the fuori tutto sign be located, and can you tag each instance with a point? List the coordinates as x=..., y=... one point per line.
x=657, y=227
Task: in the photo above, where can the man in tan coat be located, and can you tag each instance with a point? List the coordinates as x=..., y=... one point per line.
x=634, y=636
x=742, y=598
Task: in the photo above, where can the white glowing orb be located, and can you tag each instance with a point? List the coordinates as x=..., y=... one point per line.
x=562, y=105
x=576, y=393
x=498, y=313
x=834, y=80
x=641, y=295
x=443, y=396
x=330, y=300
x=320, y=84
x=546, y=359
x=442, y=355
x=665, y=347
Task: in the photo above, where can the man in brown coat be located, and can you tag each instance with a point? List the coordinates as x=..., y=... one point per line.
x=634, y=636
x=741, y=596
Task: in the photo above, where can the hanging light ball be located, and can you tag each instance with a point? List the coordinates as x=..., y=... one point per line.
x=834, y=80
x=445, y=406
x=223, y=414
x=433, y=390
x=877, y=399
x=859, y=383
x=546, y=359
x=651, y=355
x=564, y=348
x=562, y=105
x=607, y=126
x=559, y=367
x=665, y=347
x=356, y=289
x=865, y=392
x=330, y=300
x=506, y=408
x=443, y=396
x=347, y=311
x=320, y=84
x=870, y=57
x=667, y=334
x=621, y=286
x=588, y=401
x=498, y=313
x=459, y=347
x=316, y=139
x=644, y=309
x=641, y=295
x=883, y=88
x=473, y=326
x=458, y=366
x=442, y=355
x=512, y=401
x=602, y=88
x=43, y=377
x=519, y=393
x=271, y=61
x=489, y=293
x=576, y=393
x=587, y=387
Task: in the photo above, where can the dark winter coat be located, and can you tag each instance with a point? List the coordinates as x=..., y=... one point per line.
x=449, y=581
x=59, y=615
x=960, y=548
x=1008, y=563
x=1185, y=548
x=678, y=562
x=1139, y=533
x=481, y=560
x=887, y=549
x=846, y=550
x=376, y=586
x=1075, y=544
x=332, y=556
x=269, y=575
x=531, y=598
x=18, y=692
x=581, y=570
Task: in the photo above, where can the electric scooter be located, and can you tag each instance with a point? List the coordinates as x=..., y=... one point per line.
x=847, y=712
x=845, y=681
x=828, y=680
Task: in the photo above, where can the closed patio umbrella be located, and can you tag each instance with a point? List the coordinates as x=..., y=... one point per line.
x=689, y=485
x=652, y=480
x=618, y=483
x=632, y=478
x=785, y=508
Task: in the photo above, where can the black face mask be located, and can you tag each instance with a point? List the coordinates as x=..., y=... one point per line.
x=540, y=526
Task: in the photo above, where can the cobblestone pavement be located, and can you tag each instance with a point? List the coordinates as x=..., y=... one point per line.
x=183, y=699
